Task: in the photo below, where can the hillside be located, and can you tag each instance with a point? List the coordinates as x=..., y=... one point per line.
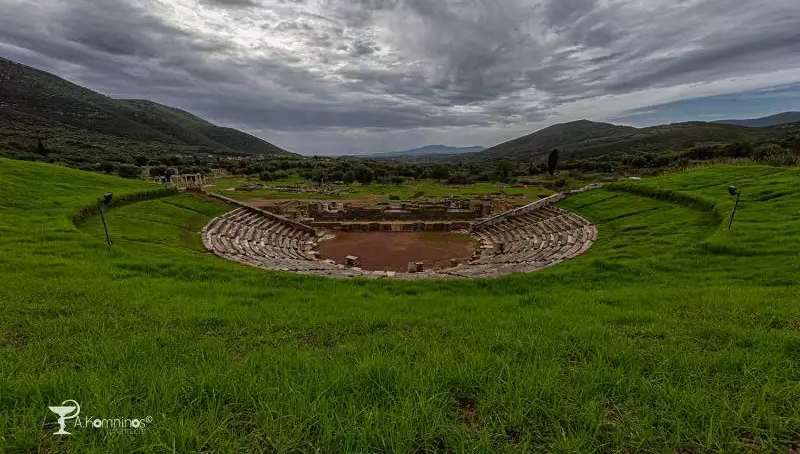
x=671, y=334
x=570, y=138
x=581, y=139
x=35, y=104
x=772, y=120
x=203, y=131
x=428, y=150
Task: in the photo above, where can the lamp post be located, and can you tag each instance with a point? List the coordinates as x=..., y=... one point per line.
x=105, y=201
x=734, y=192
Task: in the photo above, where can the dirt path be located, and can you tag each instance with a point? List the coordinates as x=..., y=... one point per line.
x=391, y=251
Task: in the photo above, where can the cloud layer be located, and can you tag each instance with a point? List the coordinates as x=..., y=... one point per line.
x=342, y=76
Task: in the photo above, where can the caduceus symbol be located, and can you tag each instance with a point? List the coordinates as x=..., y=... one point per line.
x=62, y=411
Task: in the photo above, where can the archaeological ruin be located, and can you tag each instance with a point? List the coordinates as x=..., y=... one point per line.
x=189, y=181
x=287, y=236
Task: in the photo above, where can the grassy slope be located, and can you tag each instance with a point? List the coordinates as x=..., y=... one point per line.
x=74, y=120
x=669, y=334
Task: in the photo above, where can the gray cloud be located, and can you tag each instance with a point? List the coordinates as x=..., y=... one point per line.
x=322, y=69
x=232, y=3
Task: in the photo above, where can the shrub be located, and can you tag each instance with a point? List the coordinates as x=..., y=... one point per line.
x=440, y=172
x=560, y=182
x=106, y=167
x=129, y=171
x=459, y=178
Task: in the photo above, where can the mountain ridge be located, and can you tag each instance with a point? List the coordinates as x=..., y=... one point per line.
x=585, y=138
x=428, y=150
x=44, y=101
x=778, y=119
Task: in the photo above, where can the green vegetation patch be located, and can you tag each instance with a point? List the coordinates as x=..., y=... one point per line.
x=671, y=334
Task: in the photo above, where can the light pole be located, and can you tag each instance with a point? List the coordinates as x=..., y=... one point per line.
x=733, y=191
x=100, y=204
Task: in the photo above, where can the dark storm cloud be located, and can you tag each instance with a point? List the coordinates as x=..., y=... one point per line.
x=115, y=28
x=403, y=65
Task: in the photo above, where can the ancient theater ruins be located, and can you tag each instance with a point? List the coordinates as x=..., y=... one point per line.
x=439, y=239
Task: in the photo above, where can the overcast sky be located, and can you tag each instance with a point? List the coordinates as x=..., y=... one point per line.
x=351, y=76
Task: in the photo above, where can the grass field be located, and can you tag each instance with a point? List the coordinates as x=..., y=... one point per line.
x=670, y=335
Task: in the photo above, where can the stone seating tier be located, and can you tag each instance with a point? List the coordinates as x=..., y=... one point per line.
x=519, y=241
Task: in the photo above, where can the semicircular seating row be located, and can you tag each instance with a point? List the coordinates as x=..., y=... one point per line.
x=250, y=237
x=529, y=241
x=519, y=243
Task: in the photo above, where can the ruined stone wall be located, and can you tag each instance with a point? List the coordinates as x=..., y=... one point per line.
x=393, y=215
x=442, y=226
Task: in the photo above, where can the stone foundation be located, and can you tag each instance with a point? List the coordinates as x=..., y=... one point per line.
x=393, y=226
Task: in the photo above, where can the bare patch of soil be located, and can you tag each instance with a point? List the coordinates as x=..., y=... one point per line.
x=467, y=412
x=392, y=251
x=16, y=339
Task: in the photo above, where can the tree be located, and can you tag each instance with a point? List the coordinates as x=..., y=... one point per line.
x=440, y=172
x=504, y=168
x=552, y=162
x=318, y=175
x=364, y=175
x=459, y=178
x=335, y=176
x=106, y=167
x=381, y=174
x=737, y=150
x=129, y=171
x=40, y=147
x=158, y=171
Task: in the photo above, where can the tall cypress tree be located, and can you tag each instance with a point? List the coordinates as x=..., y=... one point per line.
x=552, y=162
x=40, y=147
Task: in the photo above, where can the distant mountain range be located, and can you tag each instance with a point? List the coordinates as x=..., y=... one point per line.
x=428, y=151
x=52, y=108
x=585, y=138
x=80, y=126
x=772, y=120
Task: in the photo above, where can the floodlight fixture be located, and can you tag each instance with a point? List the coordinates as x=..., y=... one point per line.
x=105, y=201
x=733, y=191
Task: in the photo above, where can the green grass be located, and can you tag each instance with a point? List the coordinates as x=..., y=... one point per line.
x=670, y=335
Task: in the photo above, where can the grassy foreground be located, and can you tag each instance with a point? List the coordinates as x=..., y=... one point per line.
x=670, y=335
